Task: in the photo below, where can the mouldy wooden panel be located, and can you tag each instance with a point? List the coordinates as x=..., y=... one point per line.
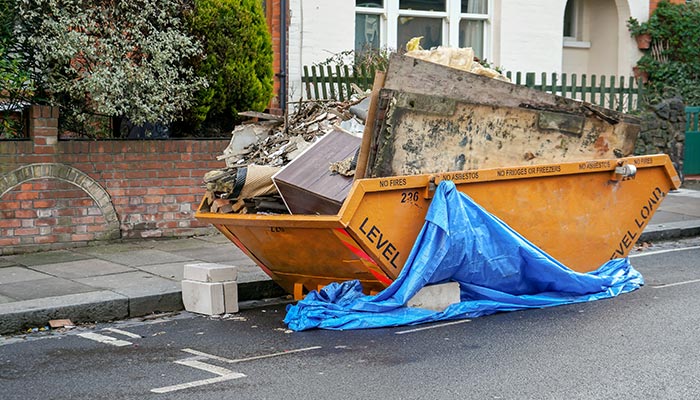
x=427, y=134
x=436, y=119
x=308, y=186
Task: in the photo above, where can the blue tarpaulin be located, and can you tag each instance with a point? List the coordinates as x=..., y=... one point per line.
x=497, y=270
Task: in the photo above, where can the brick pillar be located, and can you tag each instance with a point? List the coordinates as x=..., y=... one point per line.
x=43, y=128
x=272, y=15
x=654, y=3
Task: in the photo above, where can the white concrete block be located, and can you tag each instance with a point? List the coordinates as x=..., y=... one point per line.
x=436, y=297
x=231, y=297
x=210, y=272
x=203, y=297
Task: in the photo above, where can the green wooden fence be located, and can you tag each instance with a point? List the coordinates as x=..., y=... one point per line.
x=325, y=83
x=614, y=92
x=691, y=158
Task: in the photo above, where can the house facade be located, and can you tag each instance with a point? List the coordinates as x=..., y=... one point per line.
x=574, y=36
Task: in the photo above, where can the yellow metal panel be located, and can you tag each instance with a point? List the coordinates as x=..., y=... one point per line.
x=582, y=213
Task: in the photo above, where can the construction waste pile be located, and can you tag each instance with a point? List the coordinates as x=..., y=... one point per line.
x=432, y=111
x=258, y=151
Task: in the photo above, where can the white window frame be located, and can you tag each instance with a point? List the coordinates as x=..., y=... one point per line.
x=458, y=16
x=451, y=18
x=576, y=41
x=382, y=20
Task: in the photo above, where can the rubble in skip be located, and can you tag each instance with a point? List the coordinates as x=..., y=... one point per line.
x=259, y=150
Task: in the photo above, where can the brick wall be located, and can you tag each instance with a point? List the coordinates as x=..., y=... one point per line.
x=46, y=211
x=654, y=3
x=56, y=193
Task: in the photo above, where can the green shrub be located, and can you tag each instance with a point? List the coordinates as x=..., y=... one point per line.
x=237, y=63
x=115, y=58
x=15, y=80
x=673, y=62
x=7, y=20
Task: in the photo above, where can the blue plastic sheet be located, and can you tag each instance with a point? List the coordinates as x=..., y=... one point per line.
x=497, y=270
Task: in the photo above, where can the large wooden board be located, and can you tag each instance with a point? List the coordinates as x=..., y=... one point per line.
x=428, y=134
x=434, y=118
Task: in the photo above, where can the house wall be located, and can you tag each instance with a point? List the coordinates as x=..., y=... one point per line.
x=612, y=50
x=628, y=53
x=531, y=35
x=601, y=21
x=56, y=194
x=318, y=30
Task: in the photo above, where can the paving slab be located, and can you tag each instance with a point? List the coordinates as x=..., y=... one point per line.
x=82, y=268
x=19, y=274
x=675, y=204
x=130, y=283
x=6, y=263
x=695, y=193
x=141, y=257
x=47, y=257
x=4, y=299
x=221, y=254
x=146, y=293
x=49, y=287
x=663, y=217
x=251, y=273
x=179, y=244
x=172, y=271
x=115, y=248
x=216, y=238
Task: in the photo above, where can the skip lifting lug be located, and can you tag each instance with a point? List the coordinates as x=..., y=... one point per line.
x=624, y=171
x=430, y=188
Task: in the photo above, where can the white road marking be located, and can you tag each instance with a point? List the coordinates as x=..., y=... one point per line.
x=125, y=333
x=207, y=355
x=224, y=374
x=676, y=284
x=432, y=327
x=651, y=253
x=191, y=362
x=173, y=388
x=228, y=360
x=104, y=339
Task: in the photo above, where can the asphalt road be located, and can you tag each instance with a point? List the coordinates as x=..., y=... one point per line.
x=640, y=345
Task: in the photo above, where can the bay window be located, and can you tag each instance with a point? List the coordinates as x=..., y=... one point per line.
x=392, y=23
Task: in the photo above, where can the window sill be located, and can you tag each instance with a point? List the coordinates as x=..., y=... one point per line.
x=576, y=44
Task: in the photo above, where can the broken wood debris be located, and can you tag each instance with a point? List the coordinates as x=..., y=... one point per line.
x=276, y=145
x=260, y=115
x=272, y=144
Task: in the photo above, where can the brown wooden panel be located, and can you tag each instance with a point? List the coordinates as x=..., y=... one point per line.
x=308, y=186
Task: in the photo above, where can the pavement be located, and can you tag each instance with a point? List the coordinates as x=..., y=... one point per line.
x=140, y=278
